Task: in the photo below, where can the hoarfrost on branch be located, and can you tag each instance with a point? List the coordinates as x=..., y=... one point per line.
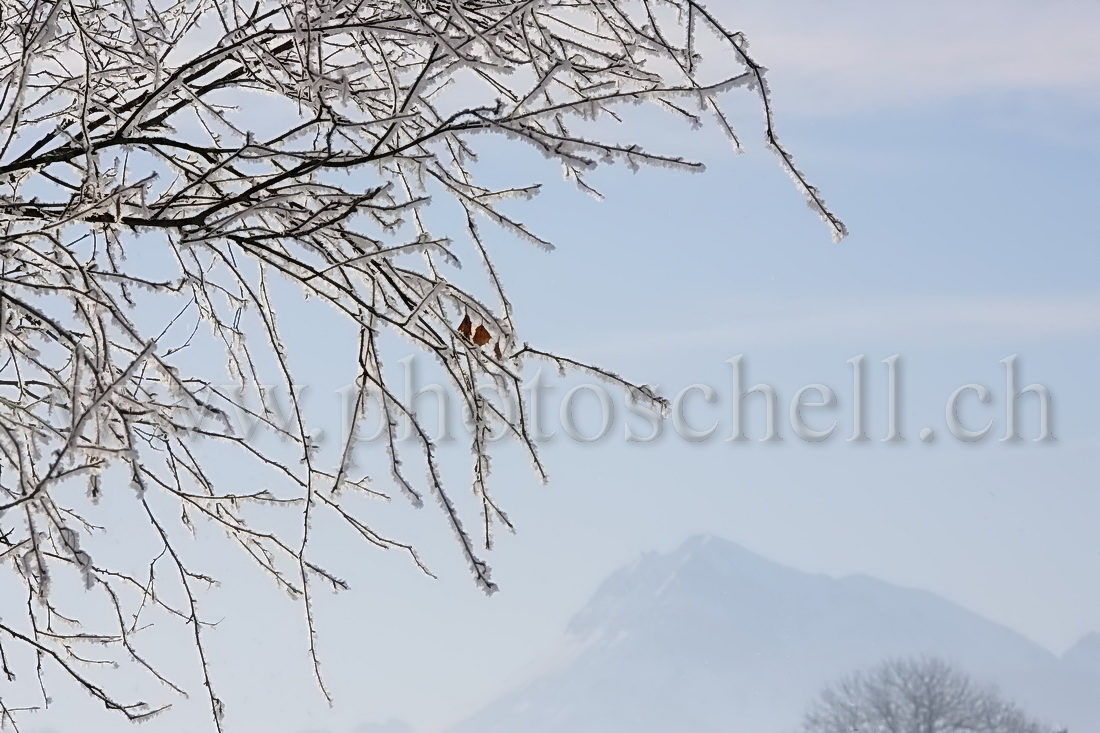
x=226, y=157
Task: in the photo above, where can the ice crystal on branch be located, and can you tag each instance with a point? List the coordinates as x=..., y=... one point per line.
x=212, y=152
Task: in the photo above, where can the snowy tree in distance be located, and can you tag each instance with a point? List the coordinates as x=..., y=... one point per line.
x=175, y=177
x=923, y=695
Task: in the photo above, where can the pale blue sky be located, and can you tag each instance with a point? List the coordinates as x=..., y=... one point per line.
x=958, y=143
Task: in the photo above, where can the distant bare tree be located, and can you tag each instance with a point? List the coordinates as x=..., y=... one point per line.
x=175, y=175
x=925, y=695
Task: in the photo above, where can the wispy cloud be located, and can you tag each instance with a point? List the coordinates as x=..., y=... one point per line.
x=762, y=323
x=845, y=54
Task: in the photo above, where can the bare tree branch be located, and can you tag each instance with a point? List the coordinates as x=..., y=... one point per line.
x=168, y=167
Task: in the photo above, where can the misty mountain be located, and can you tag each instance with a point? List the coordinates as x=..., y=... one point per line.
x=712, y=637
x=1085, y=654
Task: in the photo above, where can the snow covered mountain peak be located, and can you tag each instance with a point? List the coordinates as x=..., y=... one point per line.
x=712, y=637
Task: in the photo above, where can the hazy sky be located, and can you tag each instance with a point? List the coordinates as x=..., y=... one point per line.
x=957, y=140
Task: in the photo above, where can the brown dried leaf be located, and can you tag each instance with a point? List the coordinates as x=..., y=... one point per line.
x=482, y=336
x=466, y=328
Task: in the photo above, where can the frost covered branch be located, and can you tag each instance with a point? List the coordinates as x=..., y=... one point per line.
x=174, y=174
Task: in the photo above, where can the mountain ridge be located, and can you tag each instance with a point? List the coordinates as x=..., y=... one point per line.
x=712, y=635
